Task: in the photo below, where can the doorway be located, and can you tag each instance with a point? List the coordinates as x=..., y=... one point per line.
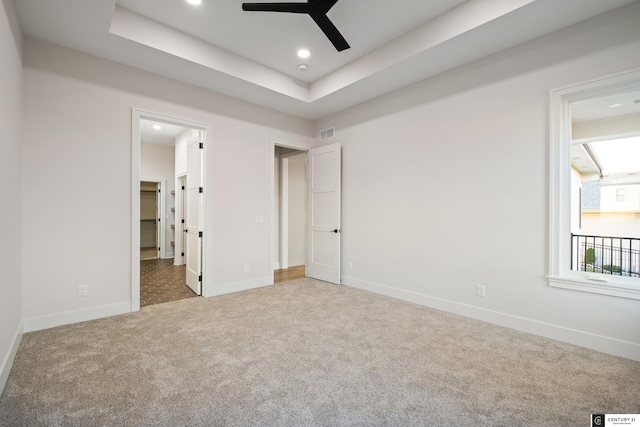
x=290, y=213
x=149, y=215
x=323, y=213
x=159, y=149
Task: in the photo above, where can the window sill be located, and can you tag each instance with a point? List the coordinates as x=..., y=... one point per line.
x=606, y=285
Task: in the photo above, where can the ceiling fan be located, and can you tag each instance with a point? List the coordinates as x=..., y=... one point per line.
x=316, y=9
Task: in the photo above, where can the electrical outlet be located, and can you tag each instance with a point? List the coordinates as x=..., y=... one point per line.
x=83, y=290
x=480, y=290
x=350, y=265
x=246, y=268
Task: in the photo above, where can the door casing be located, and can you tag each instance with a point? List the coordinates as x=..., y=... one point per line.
x=138, y=114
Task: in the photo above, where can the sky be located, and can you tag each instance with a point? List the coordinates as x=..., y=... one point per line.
x=618, y=155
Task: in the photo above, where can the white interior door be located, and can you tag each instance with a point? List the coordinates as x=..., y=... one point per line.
x=323, y=178
x=158, y=219
x=193, y=217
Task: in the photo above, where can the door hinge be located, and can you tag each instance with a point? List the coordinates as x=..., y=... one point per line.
x=182, y=253
x=183, y=187
x=201, y=145
x=158, y=247
x=201, y=190
x=200, y=278
x=158, y=219
x=158, y=190
x=199, y=233
x=183, y=221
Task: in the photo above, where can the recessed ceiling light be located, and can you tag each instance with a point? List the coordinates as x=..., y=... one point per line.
x=302, y=67
x=615, y=105
x=304, y=53
x=157, y=127
x=194, y=2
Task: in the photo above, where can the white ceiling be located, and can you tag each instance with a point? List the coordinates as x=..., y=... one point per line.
x=166, y=135
x=252, y=55
x=606, y=107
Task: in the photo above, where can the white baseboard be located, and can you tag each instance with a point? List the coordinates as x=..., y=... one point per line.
x=229, y=288
x=276, y=265
x=76, y=316
x=600, y=343
x=7, y=362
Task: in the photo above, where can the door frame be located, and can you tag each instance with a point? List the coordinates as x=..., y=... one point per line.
x=138, y=114
x=179, y=247
x=161, y=201
x=286, y=144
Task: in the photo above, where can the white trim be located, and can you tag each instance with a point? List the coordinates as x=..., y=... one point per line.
x=230, y=288
x=9, y=358
x=284, y=213
x=560, y=273
x=600, y=343
x=178, y=231
x=208, y=211
x=276, y=265
x=75, y=316
x=287, y=144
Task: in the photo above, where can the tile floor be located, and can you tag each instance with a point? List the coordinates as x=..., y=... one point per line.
x=161, y=281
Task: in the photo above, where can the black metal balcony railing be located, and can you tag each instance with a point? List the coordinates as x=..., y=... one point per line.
x=608, y=255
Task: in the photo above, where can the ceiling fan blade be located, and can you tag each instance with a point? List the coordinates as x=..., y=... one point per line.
x=330, y=31
x=276, y=7
x=323, y=5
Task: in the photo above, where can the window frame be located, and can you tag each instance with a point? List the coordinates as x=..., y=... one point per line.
x=560, y=273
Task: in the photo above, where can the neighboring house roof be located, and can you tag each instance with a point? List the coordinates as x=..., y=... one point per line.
x=591, y=195
x=591, y=190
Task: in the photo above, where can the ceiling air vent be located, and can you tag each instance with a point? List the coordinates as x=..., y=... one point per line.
x=327, y=133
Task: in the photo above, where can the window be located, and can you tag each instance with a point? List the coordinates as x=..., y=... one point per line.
x=594, y=174
x=621, y=194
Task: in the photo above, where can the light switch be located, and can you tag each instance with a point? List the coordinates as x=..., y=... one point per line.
x=259, y=219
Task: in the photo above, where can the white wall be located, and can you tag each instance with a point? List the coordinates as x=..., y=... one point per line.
x=79, y=111
x=10, y=187
x=445, y=187
x=158, y=162
x=276, y=219
x=181, y=151
x=180, y=171
x=297, y=210
x=295, y=187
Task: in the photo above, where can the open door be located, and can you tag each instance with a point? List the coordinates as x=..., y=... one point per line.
x=323, y=179
x=193, y=217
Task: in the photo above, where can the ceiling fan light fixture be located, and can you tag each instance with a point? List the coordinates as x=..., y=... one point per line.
x=302, y=67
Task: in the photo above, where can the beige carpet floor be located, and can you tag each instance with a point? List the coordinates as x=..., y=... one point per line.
x=307, y=353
